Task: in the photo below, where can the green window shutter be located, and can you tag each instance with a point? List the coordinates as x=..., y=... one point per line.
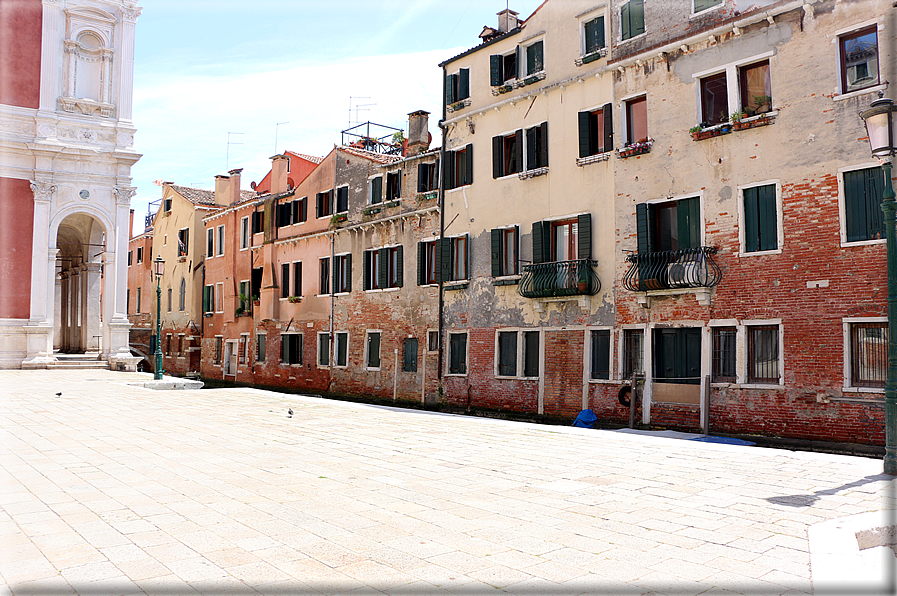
x=319, y=202
x=855, y=206
x=348, y=264
x=421, y=261
x=206, y=301
x=421, y=177
x=644, y=228
x=584, y=130
x=495, y=64
x=376, y=190
x=541, y=241
x=519, y=150
x=598, y=35
x=543, y=146
x=625, y=31
x=497, y=168
x=297, y=279
x=468, y=249
x=705, y=4
x=400, y=266
x=468, y=152
x=382, y=267
x=688, y=215
x=637, y=17
x=531, y=150
x=584, y=232
x=768, y=221
x=496, y=253
x=444, y=259
x=608, y=116
x=751, y=220
x=284, y=349
x=601, y=354
x=365, y=270
x=450, y=88
x=449, y=174
x=534, y=58
x=464, y=83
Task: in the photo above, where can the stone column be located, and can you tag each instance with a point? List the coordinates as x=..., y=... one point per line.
x=65, y=308
x=91, y=281
x=39, y=330
x=116, y=327
x=125, y=87
x=77, y=317
x=50, y=55
x=57, y=312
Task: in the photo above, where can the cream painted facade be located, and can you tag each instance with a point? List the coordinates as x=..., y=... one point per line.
x=76, y=148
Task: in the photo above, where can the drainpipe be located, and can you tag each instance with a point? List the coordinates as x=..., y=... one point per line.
x=332, y=346
x=441, y=202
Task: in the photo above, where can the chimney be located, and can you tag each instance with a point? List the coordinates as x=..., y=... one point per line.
x=235, y=185
x=418, y=132
x=279, y=174
x=507, y=20
x=223, y=192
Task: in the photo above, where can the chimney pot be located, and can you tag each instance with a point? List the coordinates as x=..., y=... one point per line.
x=507, y=20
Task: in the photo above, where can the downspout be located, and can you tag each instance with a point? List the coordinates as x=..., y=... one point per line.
x=441, y=202
x=332, y=342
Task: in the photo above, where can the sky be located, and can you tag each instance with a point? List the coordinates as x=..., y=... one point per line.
x=224, y=84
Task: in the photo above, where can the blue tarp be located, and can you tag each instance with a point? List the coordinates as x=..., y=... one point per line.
x=726, y=440
x=586, y=419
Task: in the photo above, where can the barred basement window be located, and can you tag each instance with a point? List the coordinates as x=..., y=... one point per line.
x=291, y=348
x=868, y=354
x=219, y=345
x=507, y=354
x=600, y=368
x=458, y=353
x=342, y=349
x=633, y=352
x=260, y=347
x=409, y=351
x=763, y=354
x=723, y=355
x=373, y=350
x=531, y=354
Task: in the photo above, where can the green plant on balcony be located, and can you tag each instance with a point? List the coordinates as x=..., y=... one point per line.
x=338, y=219
x=294, y=299
x=737, y=115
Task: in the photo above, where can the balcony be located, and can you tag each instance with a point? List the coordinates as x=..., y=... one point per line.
x=689, y=268
x=559, y=279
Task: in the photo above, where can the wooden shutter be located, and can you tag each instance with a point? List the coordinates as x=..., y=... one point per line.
x=644, y=228
x=751, y=220
x=637, y=17
x=285, y=349
x=444, y=259
x=598, y=33
x=541, y=241
x=543, y=146
x=463, y=83
x=348, y=268
x=376, y=190
x=284, y=280
x=297, y=279
x=398, y=184
x=584, y=129
x=450, y=88
x=421, y=177
x=383, y=268
x=625, y=30
x=206, y=299
x=519, y=151
x=342, y=198
x=495, y=70
x=688, y=213
x=468, y=151
x=601, y=354
x=421, y=263
x=532, y=157
x=705, y=4
x=496, y=253
x=318, y=205
x=365, y=270
x=497, y=165
x=584, y=236
x=450, y=164
x=769, y=237
x=400, y=266
x=607, y=116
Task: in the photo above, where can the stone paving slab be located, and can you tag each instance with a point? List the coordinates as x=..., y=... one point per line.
x=113, y=488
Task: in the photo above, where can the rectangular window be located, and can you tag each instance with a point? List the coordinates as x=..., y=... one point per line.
x=166, y=205
x=763, y=354
x=220, y=240
x=714, y=99
x=637, y=120
x=459, y=167
x=258, y=222
x=182, y=296
x=219, y=348
x=596, y=130
x=182, y=345
x=342, y=349
x=342, y=199
x=139, y=293
x=530, y=354
x=283, y=214
x=169, y=299
x=677, y=355
x=297, y=279
x=633, y=352
x=458, y=353
x=565, y=240
x=323, y=349
x=394, y=266
x=432, y=341
x=291, y=348
x=535, y=58
x=427, y=263
x=376, y=190
x=300, y=210
x=244, y=233
x=393, y=185
x=324, y=276
x=459, y=258
x=859, y=59
x=372, y=350
x=457, y=86
x=505, y=245
x=128, y=300
x=208, y=299
x=139, y=254
x=723, y=365
x=260, y=347
x=219, y=297
x=507, y=353
x=868, y=354
x=701, y=5
x=507, y=154
x=342, y=274
x=632, y=19
x=537, y=147
x=509, y=67
x=371, y=269
x=756, y=88
x=593, y=36
x=183, y=242
x=673, y=225
x=760, y=218
x=863, y=192
x=244, y=296
x=600, y=353
x=168, y=345
x=210, y=243
x=409, y=354
x=244, y=348
x=284, y=280
x=129, y=258
x=427, y=176
x=324, y=204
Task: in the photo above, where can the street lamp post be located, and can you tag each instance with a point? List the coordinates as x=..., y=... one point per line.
x=879, y=119
x=158, y=270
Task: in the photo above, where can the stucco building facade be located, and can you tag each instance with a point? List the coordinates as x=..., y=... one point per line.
x=67, y=149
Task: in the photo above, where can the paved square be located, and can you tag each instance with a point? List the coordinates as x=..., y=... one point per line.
x=115, y=489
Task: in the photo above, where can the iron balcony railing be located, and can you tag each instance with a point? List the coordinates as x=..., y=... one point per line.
x=686, y=268
x=559, y=278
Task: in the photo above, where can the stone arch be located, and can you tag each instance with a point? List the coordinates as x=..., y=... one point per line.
x=62, y=214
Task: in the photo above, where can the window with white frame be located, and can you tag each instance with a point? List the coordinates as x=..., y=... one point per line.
x=600, y=354
x=139, y=254
x=761, y=218
x=632, y=19
x=219, y=297
x=220, y=240
x=861, y=193
x=593, y=38
x=505, y=251
x=291, y=348
x=457, y=356
x=633, y=352
x=372, y=350
x=517, y=353
x=324, y=276
x=210, y=243
x=260, y=339
x=723, y=354
x=459, y=167
x=763, y=354
x=342, y=274
x=393, y=185
x=866, y=353
x=383, y=268
x=342, y=349
x=702, y=5
x=183, y=242
x=323, y=349
x=858, y=54
x=208, y=299
x=244, y=233
x=376, y=186
x=752, y=81
x=535, y=58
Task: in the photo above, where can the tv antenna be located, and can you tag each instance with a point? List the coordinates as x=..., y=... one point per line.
x=229, y=143
x=357, y=108
x=276, y=126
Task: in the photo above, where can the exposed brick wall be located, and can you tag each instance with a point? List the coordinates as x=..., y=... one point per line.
x=16, y=221
x=563, y=373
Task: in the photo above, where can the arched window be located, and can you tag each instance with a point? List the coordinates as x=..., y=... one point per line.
x=182, y=298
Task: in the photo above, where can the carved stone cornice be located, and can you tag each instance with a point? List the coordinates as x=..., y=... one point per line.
x=43, y=191
x=88, y=107
x=123, y=194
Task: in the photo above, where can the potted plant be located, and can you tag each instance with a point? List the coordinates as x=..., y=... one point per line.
x=338, y=219
x=294, y=299
x=255, y=300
